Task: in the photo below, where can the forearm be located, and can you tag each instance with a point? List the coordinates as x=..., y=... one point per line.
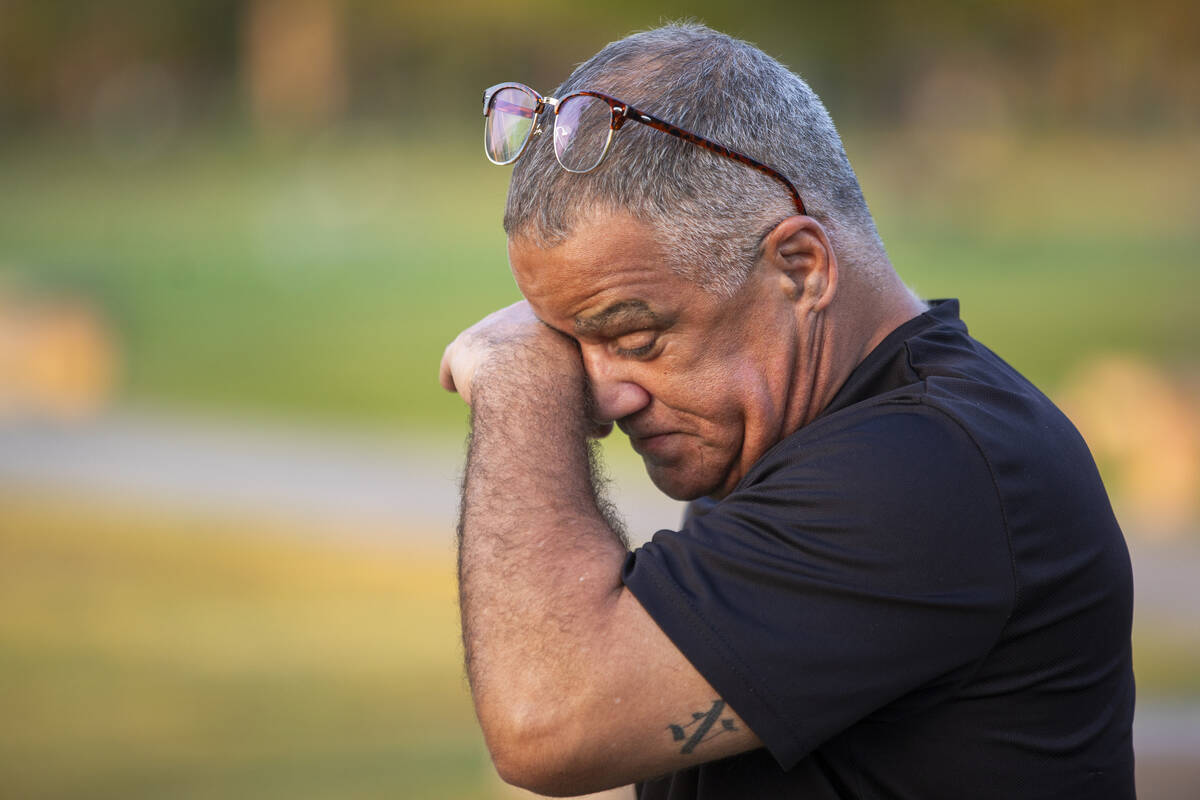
x=538, y=564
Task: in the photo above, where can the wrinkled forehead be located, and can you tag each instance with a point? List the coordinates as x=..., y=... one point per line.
x=590, y=240
x=606, y=259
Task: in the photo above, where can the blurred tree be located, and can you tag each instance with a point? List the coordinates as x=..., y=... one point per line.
x=293, y=56
x=1062, y=62
x=56, y=55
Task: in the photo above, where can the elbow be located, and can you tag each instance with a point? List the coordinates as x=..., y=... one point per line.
x=532, y=751
x=525, y=771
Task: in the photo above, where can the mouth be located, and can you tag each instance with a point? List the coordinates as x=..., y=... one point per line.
x=653, y=444
x=652, y=438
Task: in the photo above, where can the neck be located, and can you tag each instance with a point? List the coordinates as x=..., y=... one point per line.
x=845, y=333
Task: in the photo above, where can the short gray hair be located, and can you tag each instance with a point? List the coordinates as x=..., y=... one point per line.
x=710, y=212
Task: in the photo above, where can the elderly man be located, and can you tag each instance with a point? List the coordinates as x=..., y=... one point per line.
x=901, y=577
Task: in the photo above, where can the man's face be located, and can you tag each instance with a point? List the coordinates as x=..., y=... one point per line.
x=702, y=385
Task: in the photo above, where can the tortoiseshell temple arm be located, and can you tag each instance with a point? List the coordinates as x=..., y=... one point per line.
x=622, y=110
x=708, y=144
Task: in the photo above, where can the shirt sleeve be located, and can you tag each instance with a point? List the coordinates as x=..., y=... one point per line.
x=862, y=568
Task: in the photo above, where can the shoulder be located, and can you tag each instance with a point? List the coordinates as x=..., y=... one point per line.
x=896, y=483
x=899, y=440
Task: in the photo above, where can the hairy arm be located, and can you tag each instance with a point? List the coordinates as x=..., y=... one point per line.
x=575, y=686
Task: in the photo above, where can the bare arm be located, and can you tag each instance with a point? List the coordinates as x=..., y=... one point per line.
x=575, y=686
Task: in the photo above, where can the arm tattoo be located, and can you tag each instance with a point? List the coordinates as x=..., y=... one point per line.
x=703, y=722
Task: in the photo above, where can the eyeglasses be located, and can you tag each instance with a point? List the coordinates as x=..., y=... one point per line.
x=584, y=126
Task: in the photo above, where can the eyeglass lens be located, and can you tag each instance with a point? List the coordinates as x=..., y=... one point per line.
x=508, y=124
x=581, y=132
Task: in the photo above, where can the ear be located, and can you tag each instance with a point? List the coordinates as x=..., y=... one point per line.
x=799, y=251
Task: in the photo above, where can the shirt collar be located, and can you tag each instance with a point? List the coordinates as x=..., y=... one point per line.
x=886, y=367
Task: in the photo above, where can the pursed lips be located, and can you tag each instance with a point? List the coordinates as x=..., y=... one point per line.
x=645, y=438
x=639, y=431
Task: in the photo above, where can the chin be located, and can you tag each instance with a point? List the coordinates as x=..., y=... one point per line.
x=684, y=488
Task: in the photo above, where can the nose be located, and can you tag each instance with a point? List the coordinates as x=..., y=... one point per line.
x=614, y=396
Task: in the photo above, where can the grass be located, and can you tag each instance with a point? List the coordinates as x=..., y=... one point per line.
x=149, y=655
x=1166, y=659
x=323, y=279
x=312, y=283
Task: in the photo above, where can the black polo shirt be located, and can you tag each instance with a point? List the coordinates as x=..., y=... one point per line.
x=921, y=594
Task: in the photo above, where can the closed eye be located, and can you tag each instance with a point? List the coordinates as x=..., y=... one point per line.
x=635, y=345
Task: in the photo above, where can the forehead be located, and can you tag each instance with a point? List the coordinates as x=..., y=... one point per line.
x=611, y=268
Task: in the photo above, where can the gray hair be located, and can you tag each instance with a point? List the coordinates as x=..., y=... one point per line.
x=710, y=212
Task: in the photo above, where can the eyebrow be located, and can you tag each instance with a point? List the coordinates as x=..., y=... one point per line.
x=622, y=312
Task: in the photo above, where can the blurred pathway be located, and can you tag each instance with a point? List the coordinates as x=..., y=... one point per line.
x=408, y=486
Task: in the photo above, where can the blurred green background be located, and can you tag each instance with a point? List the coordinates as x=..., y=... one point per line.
x=276, y=214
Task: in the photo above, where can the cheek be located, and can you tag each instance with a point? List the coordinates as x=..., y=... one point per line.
x=719, y=377
x=724, y=381
x=740, y=393
x=698, y=387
